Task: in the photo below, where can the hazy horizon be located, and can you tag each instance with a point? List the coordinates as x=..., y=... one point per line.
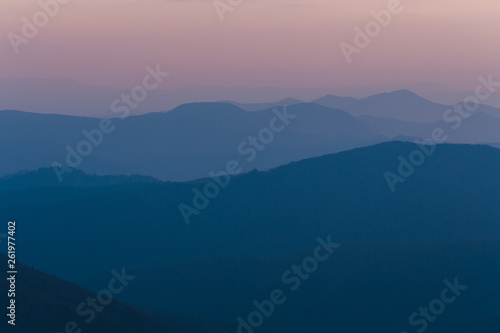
x=421, y=43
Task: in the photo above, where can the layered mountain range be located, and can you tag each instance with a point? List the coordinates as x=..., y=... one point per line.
x=193, y=140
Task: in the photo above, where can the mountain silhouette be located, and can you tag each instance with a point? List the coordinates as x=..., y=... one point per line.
x=45, y=303
x=290, y=207
x=184, y=144
x=396, y=248
x=477, y=129
x=400, y=104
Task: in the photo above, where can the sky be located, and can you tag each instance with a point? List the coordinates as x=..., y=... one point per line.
x=259, y=43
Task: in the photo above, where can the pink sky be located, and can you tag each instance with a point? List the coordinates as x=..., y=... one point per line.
x=260, y=43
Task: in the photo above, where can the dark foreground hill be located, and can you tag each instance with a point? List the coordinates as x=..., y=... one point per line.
x=45, y=303
x=397, y=247
x=453, y=196
x=486, y=325
x=359, y=288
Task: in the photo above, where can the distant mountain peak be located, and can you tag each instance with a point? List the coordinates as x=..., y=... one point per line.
x=401, y=93
x=335, y=97
x=205, y=107
x=290, y=100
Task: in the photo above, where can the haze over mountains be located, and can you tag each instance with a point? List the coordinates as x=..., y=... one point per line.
x=195, y=139
x=183, y=144
x=305, y=170
x=70, y=97
x=401, y=105
x=319, y=170
x=227, y=166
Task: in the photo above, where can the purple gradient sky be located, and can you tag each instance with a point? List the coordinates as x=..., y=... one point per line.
x=261, y=43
